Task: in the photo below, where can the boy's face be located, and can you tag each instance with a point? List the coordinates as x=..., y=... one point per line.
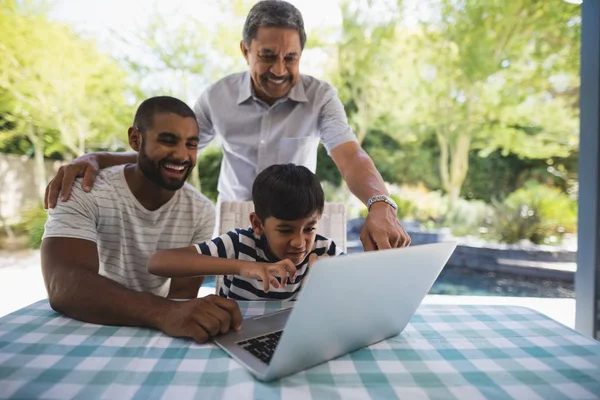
x=288, y=239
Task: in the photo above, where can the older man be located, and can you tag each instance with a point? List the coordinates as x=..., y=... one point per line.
x=272, y=114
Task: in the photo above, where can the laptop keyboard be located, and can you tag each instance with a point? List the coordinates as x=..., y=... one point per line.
x=262, y=347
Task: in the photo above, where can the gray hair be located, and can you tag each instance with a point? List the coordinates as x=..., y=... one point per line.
x=274, y=13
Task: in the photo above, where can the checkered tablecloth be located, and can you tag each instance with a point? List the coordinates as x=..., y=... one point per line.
x=464, y=352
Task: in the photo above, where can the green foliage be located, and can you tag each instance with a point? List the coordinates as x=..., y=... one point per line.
x=327, y=171
x=75, y=97
x=498, y=175
x=483, y=76
x=363, y=55
x=468, y=218
x=59, y=96
x=538, y=213
x=406, y=208
x=208, y=167
x=32, y=222
x=431, y=206
x=470, y=98
x=406, y=163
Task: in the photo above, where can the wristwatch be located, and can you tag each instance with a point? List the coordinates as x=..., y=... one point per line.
x=384, y=198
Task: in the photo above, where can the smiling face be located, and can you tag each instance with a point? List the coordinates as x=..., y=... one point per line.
x=288, y=239
x=167, y=150
x=274, y=59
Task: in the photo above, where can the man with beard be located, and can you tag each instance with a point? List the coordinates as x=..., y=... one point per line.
x=270, y=115
x=96, y=245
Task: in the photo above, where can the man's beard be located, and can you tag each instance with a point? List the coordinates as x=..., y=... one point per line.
x=152, y=171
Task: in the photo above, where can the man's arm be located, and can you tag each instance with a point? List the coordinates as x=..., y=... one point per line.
x=358, y=171
x=87, y=166
x=70, y=268
x=382, y=229
x=185, y=288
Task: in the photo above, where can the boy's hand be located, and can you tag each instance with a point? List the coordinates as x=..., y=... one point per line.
x=267, y=272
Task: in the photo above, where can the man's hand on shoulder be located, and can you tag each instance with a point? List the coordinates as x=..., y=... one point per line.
x=382, y=229
x=86, y=166
x=201, y=319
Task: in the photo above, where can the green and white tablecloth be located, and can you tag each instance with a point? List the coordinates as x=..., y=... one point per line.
x=464, y=352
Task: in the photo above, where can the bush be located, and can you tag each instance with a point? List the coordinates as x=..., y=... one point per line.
x=498, y=175
x=33, y=221
x=539, y=213
x=208, y=168
x=327, y=171
x=468, y=217
x=429, y=207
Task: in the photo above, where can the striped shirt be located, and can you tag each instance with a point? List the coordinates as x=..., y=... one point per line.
x=244, y=244
x=125, y=232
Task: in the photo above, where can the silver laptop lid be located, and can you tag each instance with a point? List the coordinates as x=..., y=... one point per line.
x=351, y=301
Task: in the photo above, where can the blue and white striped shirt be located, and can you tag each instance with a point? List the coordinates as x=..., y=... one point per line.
x=244, y=244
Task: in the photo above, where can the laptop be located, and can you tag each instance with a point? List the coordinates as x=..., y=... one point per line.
x=347, y=302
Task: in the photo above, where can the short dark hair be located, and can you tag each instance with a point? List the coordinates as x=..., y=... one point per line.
x=145, y=113
x=274, y=13
x=287, y=191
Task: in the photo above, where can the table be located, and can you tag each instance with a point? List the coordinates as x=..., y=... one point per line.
x=465, y=352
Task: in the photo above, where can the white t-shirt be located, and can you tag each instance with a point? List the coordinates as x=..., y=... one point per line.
x=126, y=233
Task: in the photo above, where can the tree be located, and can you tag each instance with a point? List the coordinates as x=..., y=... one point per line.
x=181, y=58
x=56, y=89
x=360, y=71
x=473, y=75
x=497, y=80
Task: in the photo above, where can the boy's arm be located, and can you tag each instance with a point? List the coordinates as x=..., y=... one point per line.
x=186, y=262
x=187, y=288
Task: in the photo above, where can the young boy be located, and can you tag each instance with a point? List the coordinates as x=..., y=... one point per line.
x=278, y=249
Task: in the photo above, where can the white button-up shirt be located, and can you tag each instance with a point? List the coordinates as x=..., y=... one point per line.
x=255, y=135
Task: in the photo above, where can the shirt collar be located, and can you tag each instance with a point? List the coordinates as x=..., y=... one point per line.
x=297, y=93
x=246, y=89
